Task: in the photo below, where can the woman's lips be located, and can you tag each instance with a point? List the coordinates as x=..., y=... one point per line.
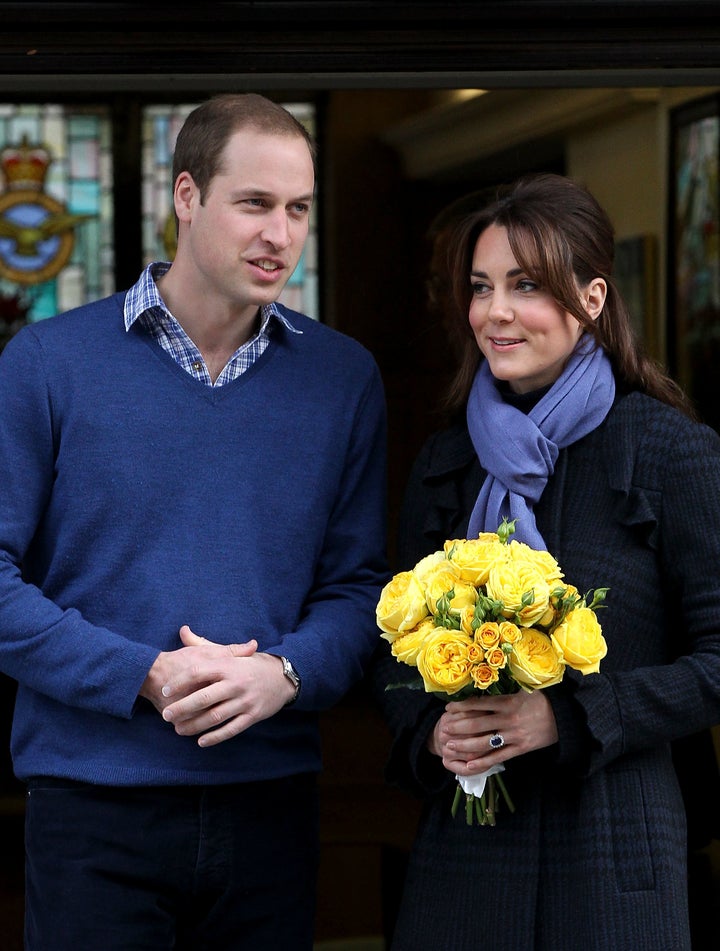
x=504, y=342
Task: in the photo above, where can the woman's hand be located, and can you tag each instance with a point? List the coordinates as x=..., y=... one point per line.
x=461, y=737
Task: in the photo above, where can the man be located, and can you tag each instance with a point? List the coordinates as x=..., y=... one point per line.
x=191, y=549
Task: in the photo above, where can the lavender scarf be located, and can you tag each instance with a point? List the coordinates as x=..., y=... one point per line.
x=519, y=451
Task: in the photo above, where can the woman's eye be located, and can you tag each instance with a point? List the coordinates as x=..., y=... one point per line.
x=527, y=285
x=478, y=287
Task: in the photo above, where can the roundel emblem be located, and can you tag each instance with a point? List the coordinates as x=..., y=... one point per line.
x=36, y=236
x=36, y=231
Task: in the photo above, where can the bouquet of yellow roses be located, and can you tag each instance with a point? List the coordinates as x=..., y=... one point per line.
x=489, y=615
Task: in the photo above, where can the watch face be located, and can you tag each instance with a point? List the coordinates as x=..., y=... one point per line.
x=290, y=672
x=292, y=676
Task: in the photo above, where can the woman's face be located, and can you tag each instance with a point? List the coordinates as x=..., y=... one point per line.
x=523, y=333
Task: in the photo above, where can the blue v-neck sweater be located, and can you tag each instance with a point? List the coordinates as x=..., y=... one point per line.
x=135, y=499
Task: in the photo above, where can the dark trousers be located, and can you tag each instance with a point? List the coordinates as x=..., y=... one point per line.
x=227, y=868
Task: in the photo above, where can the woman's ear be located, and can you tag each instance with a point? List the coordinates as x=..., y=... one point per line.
x=594, y=297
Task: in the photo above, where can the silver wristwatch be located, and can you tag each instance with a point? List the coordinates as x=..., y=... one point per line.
x=293, y=676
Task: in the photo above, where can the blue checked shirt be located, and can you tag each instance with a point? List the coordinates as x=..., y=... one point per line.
x=144, y=304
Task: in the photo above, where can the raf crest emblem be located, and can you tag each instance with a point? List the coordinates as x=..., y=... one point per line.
x=36, y=231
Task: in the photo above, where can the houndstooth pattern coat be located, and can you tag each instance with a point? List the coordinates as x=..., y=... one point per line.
x=594, y=858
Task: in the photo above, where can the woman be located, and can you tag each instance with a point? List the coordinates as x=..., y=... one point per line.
x=566, y=426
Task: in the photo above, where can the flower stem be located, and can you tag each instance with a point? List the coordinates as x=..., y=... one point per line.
x=506, y=795
x=491, y=797
x=456, y=800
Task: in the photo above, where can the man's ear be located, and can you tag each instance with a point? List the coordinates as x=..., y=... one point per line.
x=183, y=194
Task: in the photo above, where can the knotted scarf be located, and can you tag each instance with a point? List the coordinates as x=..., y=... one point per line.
x=519, y=450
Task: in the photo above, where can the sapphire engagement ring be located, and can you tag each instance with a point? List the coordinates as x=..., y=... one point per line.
x=496, y=741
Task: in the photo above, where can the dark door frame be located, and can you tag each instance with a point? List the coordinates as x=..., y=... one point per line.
x=361, y=43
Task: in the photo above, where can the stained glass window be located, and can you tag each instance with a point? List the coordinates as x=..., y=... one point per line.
x=56, y=209
x=161, y=124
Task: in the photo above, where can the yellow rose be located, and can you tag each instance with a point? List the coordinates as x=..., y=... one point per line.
x=496, y=658
x=561, y=598
x=444, y=661
x=509, y=632
x=564, y=594
x=548, y=618
x=535, y=662
x=511, y=581
x=442, y=578
x=488, y=635
x=483, y=675
x=543, y=561
x=570, y=591
x=407, y=646
x=476, y=655
x=428, y=563
x=474, y=557
x=580, y=641
x=466, y=618
x=402, y=604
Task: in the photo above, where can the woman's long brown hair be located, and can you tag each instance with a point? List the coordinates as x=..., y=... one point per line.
x=562, y=239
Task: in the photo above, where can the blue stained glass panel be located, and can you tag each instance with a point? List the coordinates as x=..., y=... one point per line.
x=85, y=197
x=59, y=180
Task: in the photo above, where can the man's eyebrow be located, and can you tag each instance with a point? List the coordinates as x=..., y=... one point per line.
x=308, y=197
x=252, y=192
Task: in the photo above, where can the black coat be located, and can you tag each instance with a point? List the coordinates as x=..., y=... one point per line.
x=594, y=858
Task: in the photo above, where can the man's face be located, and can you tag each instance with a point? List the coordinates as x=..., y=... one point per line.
x=245, y=240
